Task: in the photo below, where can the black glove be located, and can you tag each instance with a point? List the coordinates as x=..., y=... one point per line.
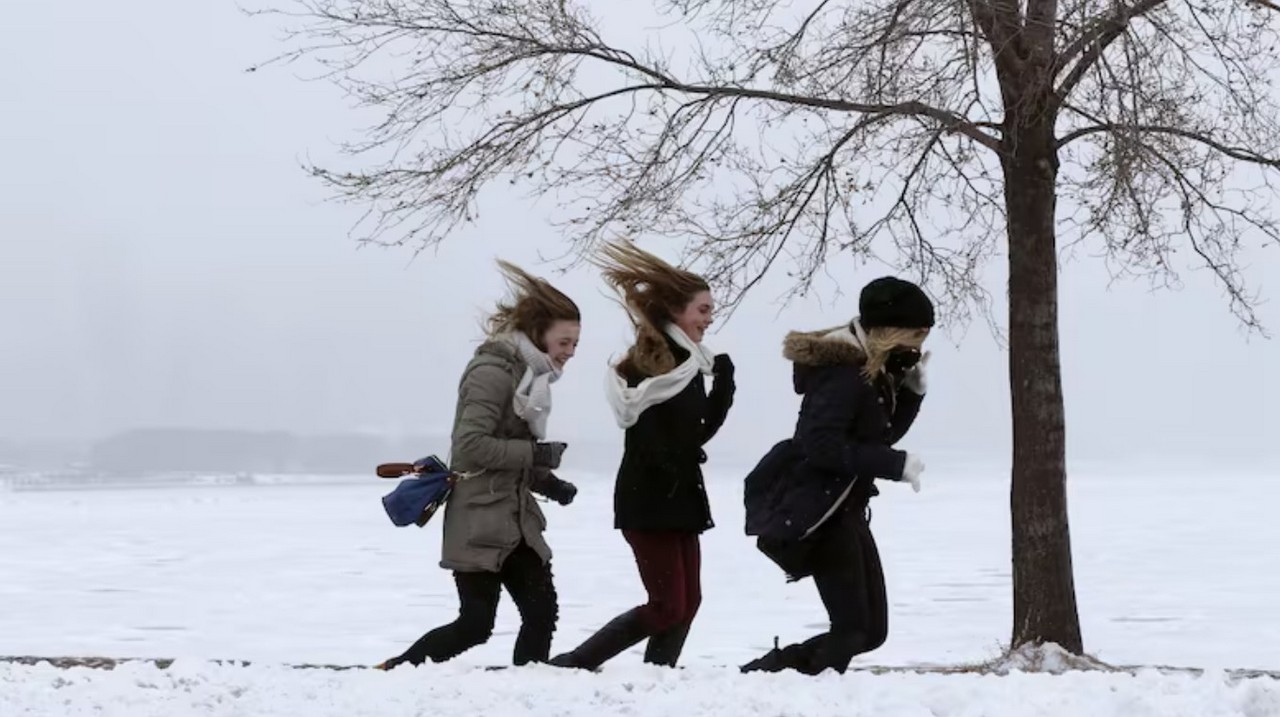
x=547, y=455
x=722, y=366
x=544, y=482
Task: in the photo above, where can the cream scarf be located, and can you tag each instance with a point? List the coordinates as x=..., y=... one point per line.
x=628, y=403
x=532, y=401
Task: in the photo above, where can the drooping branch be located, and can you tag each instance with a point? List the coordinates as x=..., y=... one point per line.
x=790, y=135
x=1211, y=227
x=1243, y=154
x=1171, y=146
x=754, y=156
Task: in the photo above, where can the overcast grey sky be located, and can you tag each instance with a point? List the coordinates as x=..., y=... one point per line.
x=164, y=261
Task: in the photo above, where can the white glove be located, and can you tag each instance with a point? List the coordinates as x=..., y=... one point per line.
x=915, y=380
x=911, y=471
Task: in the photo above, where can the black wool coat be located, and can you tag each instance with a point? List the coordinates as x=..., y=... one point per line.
x=842, y=442
x=659, y=485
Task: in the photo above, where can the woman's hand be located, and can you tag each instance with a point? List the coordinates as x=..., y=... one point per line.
x=547, y=455
x=722, y=366
x=915, y=379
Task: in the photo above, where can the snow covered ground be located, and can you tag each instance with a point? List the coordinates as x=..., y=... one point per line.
x=1170, y=569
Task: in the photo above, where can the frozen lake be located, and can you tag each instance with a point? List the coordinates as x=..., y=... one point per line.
x=1170, y=569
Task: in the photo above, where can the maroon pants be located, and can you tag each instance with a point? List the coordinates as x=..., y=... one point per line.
x=670, y=568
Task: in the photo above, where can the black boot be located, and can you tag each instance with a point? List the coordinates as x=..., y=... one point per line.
x=665, y=647
x=791, y=657
x=620, y=633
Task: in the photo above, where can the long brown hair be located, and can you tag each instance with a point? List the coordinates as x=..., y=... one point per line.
x=533, y=307
x=653, y=292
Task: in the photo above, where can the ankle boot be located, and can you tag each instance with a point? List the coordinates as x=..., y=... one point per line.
x=791, y=657
x=620, y=633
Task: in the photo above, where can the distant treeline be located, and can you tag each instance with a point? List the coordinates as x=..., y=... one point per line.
x=177, y=449
x=157, y=450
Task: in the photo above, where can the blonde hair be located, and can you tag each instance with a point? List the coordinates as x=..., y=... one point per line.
x=534, y=306
x=653, y=292
x=884, y=339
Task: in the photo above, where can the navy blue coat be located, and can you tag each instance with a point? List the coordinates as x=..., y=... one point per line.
x=659, y=485
x=843, y=439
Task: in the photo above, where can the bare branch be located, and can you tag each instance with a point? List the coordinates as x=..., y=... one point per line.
x=779, y=134
x=769, y=152
x=1171, y=146
x=1086, y=49
x=1240, y=153
x=999, y=21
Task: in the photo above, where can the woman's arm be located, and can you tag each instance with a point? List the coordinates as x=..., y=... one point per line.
x=826, y=414
x=485, y=391
x=720, y=400
x=906, y=408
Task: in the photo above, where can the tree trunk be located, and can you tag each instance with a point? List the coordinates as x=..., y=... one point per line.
x=1044, y=598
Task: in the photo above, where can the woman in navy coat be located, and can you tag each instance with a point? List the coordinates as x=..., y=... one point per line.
x=807, y=500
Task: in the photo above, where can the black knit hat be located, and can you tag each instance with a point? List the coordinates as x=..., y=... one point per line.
x=889, y=301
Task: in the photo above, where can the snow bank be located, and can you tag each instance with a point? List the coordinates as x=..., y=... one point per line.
x=1049, y=658
x=201, y=688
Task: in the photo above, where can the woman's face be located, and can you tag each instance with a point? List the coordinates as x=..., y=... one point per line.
x=561, y=341
x=696, y=316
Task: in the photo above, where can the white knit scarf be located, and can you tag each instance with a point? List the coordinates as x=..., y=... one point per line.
x=532, y=401
x=628, y=403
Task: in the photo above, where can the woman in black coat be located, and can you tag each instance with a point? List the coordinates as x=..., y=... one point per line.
x=807, y=499
x=660, y=502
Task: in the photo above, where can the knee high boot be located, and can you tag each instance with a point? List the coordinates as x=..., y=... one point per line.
x=665, y=647
x=620, y=633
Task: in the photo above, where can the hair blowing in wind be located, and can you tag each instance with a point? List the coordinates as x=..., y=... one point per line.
x=535, y=305
x=653, y=291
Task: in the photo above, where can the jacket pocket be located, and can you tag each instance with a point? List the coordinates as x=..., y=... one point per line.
x=492, y=520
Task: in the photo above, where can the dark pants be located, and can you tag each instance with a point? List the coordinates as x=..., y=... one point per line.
x=846, y=568
x=671, y=569
x=528, y=580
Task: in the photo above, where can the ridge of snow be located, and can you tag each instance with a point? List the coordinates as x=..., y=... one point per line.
x=195, y=688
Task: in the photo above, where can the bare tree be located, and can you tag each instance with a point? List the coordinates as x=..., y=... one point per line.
x=920, y=132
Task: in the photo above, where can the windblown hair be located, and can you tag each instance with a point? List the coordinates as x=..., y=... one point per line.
x=533, y=307
x=881, y=340
x=653, y=292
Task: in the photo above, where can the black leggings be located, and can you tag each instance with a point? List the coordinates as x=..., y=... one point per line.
x=528, y=580
x=850, y=580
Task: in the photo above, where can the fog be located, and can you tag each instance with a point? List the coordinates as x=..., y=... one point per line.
x=165, y=262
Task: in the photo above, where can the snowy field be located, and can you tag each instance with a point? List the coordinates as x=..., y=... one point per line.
x=1170, y=569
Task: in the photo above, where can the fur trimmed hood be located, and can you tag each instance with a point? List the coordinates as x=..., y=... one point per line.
x=836, y=346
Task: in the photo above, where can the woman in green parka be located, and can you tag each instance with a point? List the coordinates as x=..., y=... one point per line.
x=492, y=523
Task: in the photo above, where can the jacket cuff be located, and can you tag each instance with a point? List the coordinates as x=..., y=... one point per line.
x=523, y=451
x=897, y=464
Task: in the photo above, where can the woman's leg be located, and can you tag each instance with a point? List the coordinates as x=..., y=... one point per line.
x=847, y=573
x=877, y=624
x=665, y=647
x=530, y=583
x=659, y=559
x=478, y=607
